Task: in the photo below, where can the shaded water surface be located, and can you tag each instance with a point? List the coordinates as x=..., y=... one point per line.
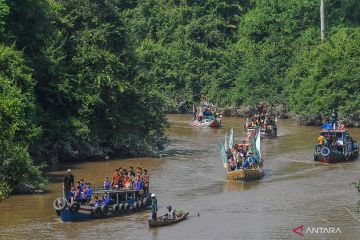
x=295, y=191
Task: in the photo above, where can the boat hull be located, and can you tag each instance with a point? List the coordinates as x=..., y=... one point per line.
x=86, y=212
x=212, y=123
x=334, y=157
x=245, y=174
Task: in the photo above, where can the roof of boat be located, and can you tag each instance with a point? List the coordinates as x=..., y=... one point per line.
x=333, y=131
x=103, y=191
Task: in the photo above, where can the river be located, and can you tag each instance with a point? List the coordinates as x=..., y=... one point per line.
x=295, y=191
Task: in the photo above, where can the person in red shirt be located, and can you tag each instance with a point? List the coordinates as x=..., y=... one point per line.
x=115, y=179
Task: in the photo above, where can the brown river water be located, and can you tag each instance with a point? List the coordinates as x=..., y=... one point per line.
x=189, y=175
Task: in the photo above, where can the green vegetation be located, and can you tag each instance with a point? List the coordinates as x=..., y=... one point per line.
x=93, y=78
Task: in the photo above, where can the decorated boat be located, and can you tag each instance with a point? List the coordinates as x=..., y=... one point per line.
x=163, y=221
x=208, y=122
x=206, y=115
x=250, y=144
x=335, y=145
x=122, y=202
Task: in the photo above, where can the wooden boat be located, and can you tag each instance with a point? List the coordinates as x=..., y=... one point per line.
x=338, y=147
x=253, y=139
x=246, y=174
x=206, y=115
x=208, y=122
x=125, y=201
x=165, y=222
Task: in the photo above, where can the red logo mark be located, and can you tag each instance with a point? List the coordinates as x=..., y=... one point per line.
x=295, y=230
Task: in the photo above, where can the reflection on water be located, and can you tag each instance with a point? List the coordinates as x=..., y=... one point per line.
x=190, y=175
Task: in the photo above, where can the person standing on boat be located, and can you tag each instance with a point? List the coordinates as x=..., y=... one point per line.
x=115, y=179
x=321, y=140
x=68, y=184
x=146, y=181
x=107, y=183
x=88, y=192
x=154, y=207
x=334, y=119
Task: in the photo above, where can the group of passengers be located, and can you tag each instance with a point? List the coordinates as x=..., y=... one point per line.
x=124, y=179
x=205, y=112
x=262, y=119
x=333, y=140
x=121, y=180
x=241, y=157
x=81, y=192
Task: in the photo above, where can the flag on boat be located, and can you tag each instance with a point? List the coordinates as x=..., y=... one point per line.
x=250, y=134
x=225, y=142
x=255, y=143
x=223, y=155
x=231, y=138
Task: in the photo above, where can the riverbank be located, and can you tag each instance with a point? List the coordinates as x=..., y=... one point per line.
x=282, y=112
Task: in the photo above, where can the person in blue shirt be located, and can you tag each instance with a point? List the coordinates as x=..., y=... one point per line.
x=88, y=193
x=245, y=164
x=253, y=160
x=106, y=199
x=82, y=185
x=139, y=183
x=97, y=202
x=107, y=183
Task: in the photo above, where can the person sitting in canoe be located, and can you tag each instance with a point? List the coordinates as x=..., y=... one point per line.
x=171, y=214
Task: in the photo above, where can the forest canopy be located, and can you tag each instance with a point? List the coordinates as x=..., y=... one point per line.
x=93, y=78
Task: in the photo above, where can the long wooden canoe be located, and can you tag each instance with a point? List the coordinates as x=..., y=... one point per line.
x=165, y=222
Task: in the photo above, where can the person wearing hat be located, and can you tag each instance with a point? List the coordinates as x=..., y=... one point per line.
x=68, y=184
x=154, y=207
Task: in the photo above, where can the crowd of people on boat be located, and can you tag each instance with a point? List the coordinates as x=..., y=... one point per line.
x=205, y=112
x=262, y=119
x=122, y=179
x=240, y=156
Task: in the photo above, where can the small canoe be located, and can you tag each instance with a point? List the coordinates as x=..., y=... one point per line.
x=164, y=222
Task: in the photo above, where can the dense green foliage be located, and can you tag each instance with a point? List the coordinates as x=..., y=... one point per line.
x=92, y=78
